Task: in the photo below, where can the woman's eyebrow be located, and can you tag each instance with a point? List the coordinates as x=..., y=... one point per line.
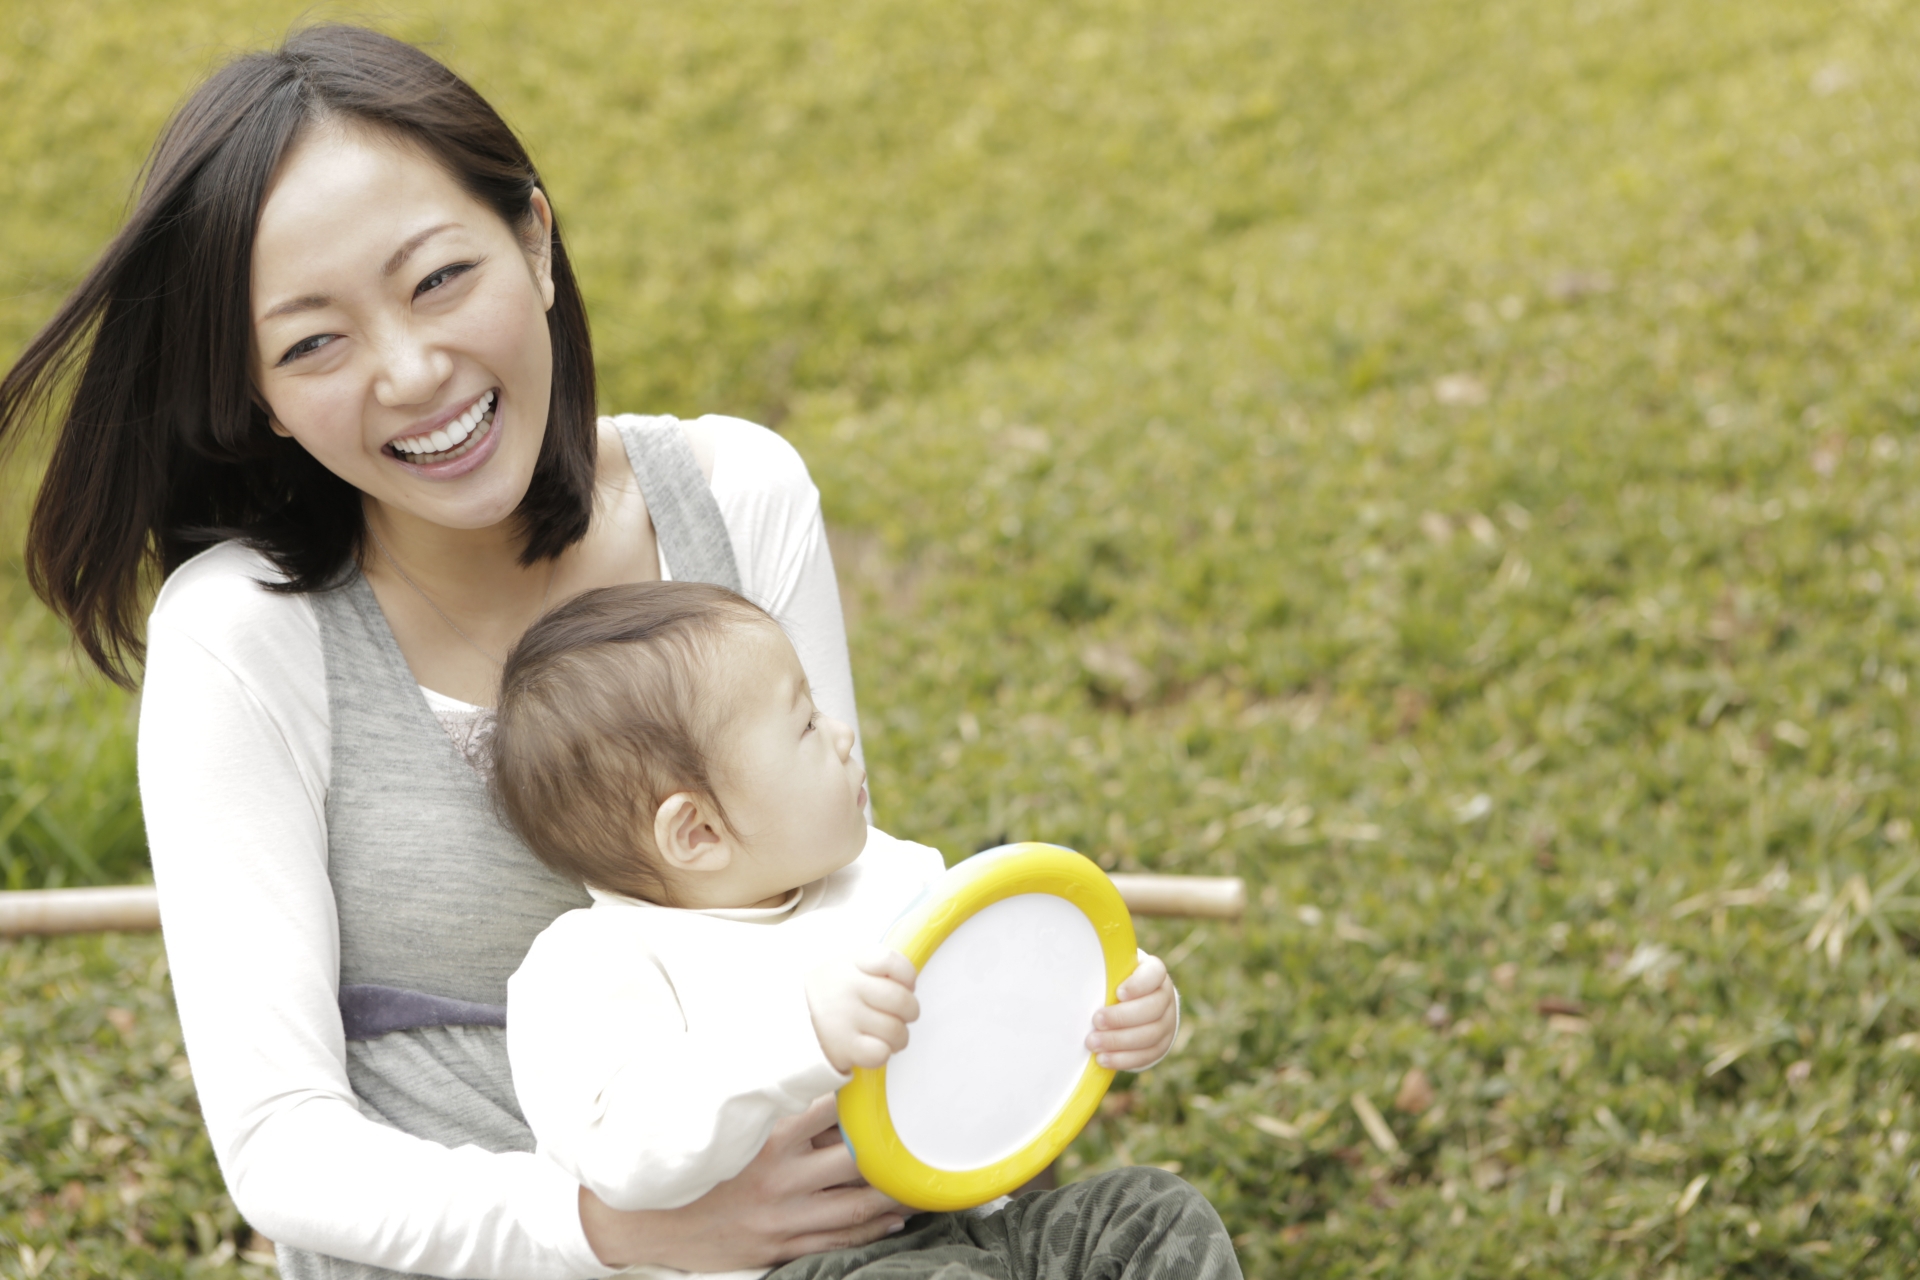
x=310, y=302
x=405, y=251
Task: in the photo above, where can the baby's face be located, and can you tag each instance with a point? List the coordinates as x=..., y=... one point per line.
x=795, y=796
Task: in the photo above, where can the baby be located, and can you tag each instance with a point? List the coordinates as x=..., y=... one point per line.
x=659, y=743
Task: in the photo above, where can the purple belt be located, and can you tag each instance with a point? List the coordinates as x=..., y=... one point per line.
x=367, y=1011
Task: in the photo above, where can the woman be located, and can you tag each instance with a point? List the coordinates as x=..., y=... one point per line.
x=333, y=380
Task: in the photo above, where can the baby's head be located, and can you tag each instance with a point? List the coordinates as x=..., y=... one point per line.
x=658, y=740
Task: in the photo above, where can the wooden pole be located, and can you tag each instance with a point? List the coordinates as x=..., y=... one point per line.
x=132, y=907
x=1215, y=897
x=129, y=907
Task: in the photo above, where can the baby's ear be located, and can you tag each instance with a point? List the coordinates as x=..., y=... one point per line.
x=688, y=836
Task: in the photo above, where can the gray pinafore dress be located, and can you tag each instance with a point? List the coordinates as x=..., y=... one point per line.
x=437, y=901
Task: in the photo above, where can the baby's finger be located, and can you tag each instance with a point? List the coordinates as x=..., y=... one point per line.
x=1132, y=1061
x=1131, y=1038
x=890, y=998
x=875, y=1025
x=1149, y=973
x=1134, y=1013
x=882, y=963
x=871, y=1052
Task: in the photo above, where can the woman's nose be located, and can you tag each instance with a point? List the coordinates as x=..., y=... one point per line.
x=412, y=368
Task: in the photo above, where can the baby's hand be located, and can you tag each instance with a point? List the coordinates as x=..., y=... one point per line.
x=1137, y=1031
x=861, y=1008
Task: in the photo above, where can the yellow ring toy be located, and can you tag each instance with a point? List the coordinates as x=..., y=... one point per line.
x=1015, y=949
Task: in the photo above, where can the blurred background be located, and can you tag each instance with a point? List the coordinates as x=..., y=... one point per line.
x=1449, y=463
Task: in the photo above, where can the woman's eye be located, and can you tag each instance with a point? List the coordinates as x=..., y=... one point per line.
x=440, y=277
x=306, y=347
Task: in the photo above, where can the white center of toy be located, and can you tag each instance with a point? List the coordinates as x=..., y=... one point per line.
x=1006, y=1003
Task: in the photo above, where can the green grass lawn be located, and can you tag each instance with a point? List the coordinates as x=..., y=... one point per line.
x=1451, y=464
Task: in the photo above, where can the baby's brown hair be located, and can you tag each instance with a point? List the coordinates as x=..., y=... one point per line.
x=599, y=722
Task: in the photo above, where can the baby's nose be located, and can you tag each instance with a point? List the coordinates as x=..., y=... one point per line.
x=840, y=733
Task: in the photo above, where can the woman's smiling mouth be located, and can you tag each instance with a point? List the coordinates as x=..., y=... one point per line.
x=453, y=441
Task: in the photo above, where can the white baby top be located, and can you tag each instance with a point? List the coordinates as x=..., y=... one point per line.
x=653, y=1049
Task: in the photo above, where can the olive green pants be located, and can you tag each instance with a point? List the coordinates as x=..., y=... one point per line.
x=1130, y=1224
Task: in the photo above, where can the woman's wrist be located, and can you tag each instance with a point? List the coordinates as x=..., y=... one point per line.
x=612, y=1235
x=624, y=1238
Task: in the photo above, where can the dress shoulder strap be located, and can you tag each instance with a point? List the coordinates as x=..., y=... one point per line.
x=686, y=518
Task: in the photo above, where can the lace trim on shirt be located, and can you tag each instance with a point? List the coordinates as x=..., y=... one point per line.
x=468, y=727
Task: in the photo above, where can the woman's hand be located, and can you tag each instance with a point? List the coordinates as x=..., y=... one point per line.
x=1137, y=1031
x=800, y=1195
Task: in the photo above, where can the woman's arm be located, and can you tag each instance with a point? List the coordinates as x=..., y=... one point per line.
x=233, y=772
x=772, y=510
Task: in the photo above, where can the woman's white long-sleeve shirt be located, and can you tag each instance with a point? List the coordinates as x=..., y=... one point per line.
x=234, y=758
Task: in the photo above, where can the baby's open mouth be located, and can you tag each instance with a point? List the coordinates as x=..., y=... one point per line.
x=455, y=440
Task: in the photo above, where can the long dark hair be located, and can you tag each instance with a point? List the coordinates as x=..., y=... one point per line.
x=163, y=448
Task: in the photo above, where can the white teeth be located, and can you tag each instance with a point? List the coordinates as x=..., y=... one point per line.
x=452, y=435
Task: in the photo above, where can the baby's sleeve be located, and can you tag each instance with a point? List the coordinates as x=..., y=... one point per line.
x=643, y=1111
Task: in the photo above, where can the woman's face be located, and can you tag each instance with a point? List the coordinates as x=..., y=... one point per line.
x=400, y=329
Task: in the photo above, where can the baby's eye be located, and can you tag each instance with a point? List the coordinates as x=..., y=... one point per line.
x=813, y=722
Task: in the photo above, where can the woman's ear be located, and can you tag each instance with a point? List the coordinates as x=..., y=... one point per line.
x=539, y=244
x=688, y=837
